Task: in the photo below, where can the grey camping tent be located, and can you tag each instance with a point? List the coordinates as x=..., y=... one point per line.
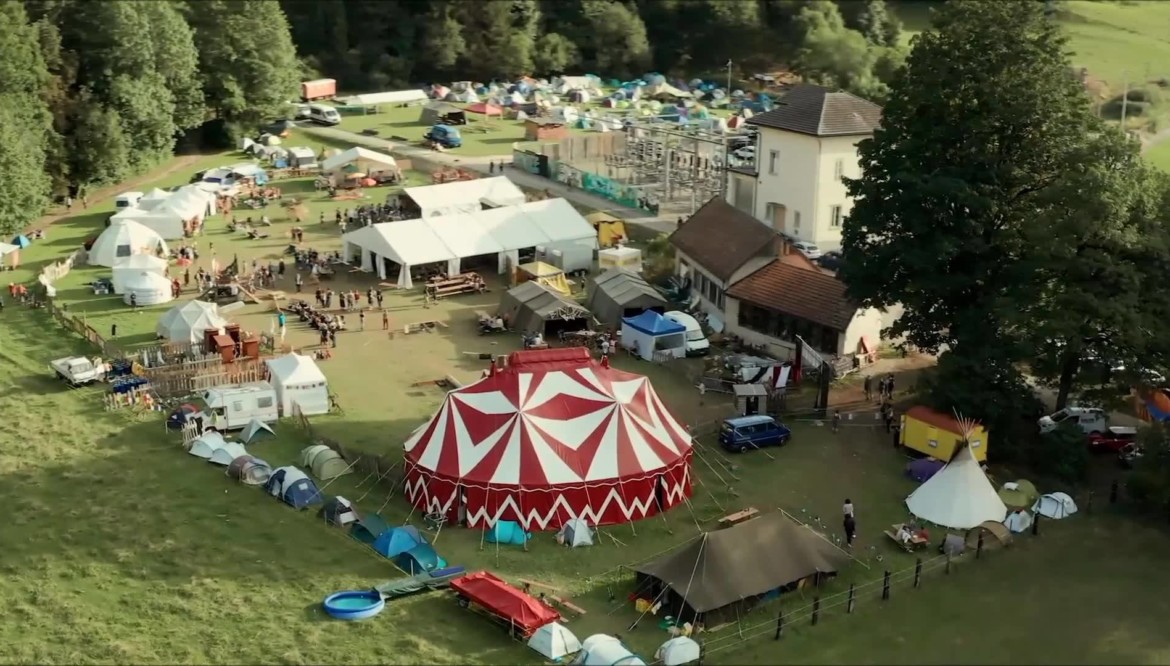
x=575, y=533
x=617, y=293
x=531, y=307
x=720, y=575
x=441, y=113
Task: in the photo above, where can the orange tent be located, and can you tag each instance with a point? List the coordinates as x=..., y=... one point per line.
x=485, y=109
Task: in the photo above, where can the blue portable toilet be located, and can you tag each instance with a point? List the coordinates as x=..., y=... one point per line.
x=397, y=540
x=507, y=532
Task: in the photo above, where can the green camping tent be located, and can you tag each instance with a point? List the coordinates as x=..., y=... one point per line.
x=1019, y=494
x=368, y=528
x=323, y=462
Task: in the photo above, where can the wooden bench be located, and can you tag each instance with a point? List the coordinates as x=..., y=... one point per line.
x=567, y=604
x=738, y=517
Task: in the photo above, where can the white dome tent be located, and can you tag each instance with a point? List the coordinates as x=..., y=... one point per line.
x=147, y=288
x=605, y=650
x=207, y=444
x=186, y=322
x=677, y=651
x=554, y=641
x=122, y=239
x=1055, y=506
x=133, y=266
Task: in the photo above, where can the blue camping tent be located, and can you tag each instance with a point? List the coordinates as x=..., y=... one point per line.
x=397, y=540
x=21, y=241
x=507, y=532
x=420, y=559
x=293, y=487
x=368, y=528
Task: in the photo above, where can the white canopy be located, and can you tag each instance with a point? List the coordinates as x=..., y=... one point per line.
x=166, y=212
x=147, y=288
x=357, y=154
x=133, y=266
x=186, y=322
x=464, y=236
x=958, y=496
x=407, y=243
x=122, y=239
x=512, y=227
x=153, y=199
x=560, y=221
x=393, y=97
x=465, y=196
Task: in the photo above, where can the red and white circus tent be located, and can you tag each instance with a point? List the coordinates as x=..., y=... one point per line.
x=551, y=436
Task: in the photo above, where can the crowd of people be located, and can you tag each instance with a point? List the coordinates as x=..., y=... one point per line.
x=367, y=214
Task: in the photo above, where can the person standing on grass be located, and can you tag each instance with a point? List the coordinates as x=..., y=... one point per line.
x=849, y=517
x=836, y=420
x=379, y=295
x=113, y=330
x=385, y=320
x=362, y=320
x=868, y=388
x=299, y=281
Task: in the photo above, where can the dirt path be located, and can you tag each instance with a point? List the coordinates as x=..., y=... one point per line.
x=60, y=212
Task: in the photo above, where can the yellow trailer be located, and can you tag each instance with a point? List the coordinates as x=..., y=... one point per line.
x=938, y=435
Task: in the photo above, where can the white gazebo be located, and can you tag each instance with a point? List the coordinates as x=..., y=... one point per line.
x=187, y=322
x=133, y=266
x=123, y=239
x=407, y=243
x=297, y=379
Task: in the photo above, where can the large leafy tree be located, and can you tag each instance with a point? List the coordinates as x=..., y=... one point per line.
x=247, y=61
x=616, y=41
x=176, y=61
x=836, y=56
x=25, y=123
x=500, y=37
x=983, y=148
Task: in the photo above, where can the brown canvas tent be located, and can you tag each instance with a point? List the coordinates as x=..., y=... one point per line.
x=534, y=308
x=718, y=576
x=618, y=293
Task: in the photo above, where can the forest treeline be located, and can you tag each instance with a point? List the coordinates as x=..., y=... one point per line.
x=92, y=93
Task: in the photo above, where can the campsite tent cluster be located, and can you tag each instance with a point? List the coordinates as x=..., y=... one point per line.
x=958, y=494
x=651, y=96
x=487, y=217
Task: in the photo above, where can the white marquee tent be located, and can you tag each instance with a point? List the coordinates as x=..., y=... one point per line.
x=392, y=97
x=147, y=288
x=133, y=266
x=465, y=196
x=166, y=212
x=297, y=379
x=124, y=239
x=550, y=224
x=187, y=321
x=958, y=496
x=362, y=156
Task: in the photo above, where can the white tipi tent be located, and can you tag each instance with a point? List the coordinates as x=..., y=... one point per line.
x=125, y=238
x=553, y=641
x=958, y=496
x=133, y=266
x=186, y=322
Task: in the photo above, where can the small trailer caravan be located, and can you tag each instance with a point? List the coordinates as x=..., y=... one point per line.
x=233, y=407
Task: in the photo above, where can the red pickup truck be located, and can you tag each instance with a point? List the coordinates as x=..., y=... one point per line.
x=1114, y=439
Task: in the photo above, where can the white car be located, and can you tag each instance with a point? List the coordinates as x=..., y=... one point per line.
x=1091, y=420
x=747, y=153
x=808, y=249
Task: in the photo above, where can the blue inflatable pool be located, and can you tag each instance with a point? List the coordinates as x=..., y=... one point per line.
x=354, y=604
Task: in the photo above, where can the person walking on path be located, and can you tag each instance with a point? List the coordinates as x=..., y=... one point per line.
x=868, y=388
x=300, y=281
x=890, y=386
x=836, y=420
x=385, y=320
x=849, y=521
x=362, y=320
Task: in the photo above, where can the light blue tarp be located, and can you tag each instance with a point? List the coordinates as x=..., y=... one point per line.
x=507, y=532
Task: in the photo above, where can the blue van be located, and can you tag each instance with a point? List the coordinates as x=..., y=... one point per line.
x=743, y=433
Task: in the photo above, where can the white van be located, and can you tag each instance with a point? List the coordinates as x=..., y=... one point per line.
x=324, y=114
x=697, y=343
x=1090, y=419
x=233, y=407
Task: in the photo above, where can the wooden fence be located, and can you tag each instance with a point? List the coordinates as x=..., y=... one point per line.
x=177, y=381
x=59, y=269
x=78, y=325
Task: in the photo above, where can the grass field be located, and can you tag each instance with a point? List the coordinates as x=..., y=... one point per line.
x=1159, y=156
x=122, y=548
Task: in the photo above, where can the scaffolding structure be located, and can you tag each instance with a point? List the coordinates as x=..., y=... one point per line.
x=672, y=165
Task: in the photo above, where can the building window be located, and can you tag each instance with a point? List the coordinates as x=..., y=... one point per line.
x=786, y=327
x=264, y=403
x=839, y=169
x=773, y=158
x=835, y=217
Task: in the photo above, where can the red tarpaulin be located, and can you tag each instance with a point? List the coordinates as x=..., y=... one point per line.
x=501, y=599
x=485, y=109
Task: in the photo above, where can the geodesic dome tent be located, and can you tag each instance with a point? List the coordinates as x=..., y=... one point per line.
x=187, y=322
x=554, y=435
x=124, y=239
